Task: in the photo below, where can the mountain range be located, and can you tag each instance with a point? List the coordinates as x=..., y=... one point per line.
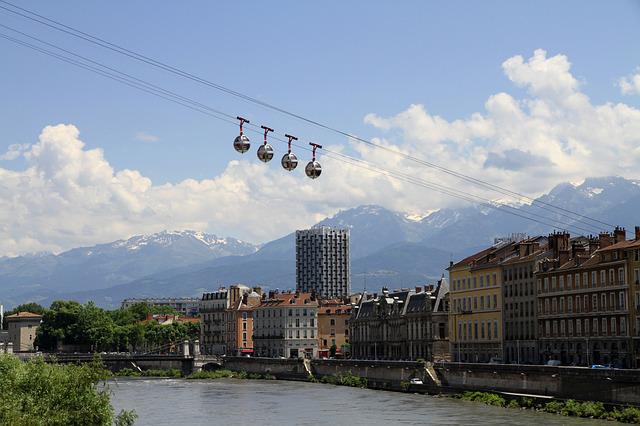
x=387, y=248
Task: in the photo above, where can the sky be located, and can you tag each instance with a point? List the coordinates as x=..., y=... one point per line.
x=523, y=95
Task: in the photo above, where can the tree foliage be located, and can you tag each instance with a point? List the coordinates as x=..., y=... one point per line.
x=95, y=329
x=37, y=394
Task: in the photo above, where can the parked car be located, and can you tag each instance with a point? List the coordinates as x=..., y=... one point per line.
x=496, y=360
x=416, y=381
x=601, y=366
x=554, y=363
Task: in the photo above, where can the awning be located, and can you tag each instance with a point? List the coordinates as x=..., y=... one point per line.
x=247, y=351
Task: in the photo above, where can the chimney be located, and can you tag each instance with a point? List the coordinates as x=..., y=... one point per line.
x=558, y=241
x=593, y=244
x=605, y=239
x=563, y=257
x=619, y=234
x=637, y=229
x=450, y=263
x=418, y=289
x=258, y=290
x=272, y=294
x=577, y=249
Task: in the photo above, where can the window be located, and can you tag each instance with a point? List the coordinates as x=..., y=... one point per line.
x=244, y=325
x=244, y=336
x=636, y=274
x=546, y=284
x=562, y=328
x=623, y=326
x=594, y=302
x=613, y=326
x=244, y=315
x=555, y=328
x=475, y=329
x=562, y=305
x=611, y=277
x=304, y=312
x=621, y=300
x=546, y=306
x=604, y=326
x=481, y=302
x=547, y=328
x=594, y=276
x=312, y=322
x=603, y=277
x=495, y=328
x=595, y=326
x=569, y=283
x=553, y=283
x=475, y=303
x=481, y=282
x=290, y=312
x=570, y=304
x=570, y=327
x=561, y=282
x=621, y=279
x=482, y=330
x=554, y=304
x=603, y=302
x=579, y=327
x=586, y=327
x=495, y=301
x=577, y=280
x=332, y=322
x=585, y=278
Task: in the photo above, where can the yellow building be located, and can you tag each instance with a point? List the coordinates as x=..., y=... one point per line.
x=333, y=327
x=475, y=319
x=23, y=327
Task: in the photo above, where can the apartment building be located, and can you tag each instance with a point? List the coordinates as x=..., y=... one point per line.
x=322, y=262
x=520, y=302
x=239, y=321
x=476, y=315
x=333, y=328
x=214, y=317
x=286, y=325
x=583, y=293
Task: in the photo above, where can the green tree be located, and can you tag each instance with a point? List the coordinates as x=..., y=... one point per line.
x=37, y=394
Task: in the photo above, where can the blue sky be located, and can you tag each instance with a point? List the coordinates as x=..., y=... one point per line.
x=334, y=62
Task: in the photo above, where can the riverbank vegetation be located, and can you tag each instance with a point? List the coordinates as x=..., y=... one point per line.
x=587, y=409
x=35, y=393
x=129, y=372
x=228, y=374
x=347, y=379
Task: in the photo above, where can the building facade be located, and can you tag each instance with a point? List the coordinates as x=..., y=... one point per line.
x=476, y=316
x=333, y=328
x=583, y=302
x=214, y=317
x=408, y=324
x=520, y=301
x=286, y=325
x=239, y=339
x=23, y=327
x=322, y=262
x=188, y=306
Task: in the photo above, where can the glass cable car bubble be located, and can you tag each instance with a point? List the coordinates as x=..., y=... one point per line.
x=265, y=151
x=241, y=142
x=313, y=168
x=289, y=160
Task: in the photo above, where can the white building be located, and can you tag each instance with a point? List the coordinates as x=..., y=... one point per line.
x=322, y=262
x=286, y=325
x=183, y=305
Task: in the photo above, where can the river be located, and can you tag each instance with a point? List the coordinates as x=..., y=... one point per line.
x=273, y=402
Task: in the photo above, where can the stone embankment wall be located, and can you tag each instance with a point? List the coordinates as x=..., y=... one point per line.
x=606, y=385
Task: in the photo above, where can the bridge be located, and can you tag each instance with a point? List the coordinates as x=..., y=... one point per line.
x=187, y=360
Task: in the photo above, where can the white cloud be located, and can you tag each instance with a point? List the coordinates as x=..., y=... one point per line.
x=146, y=137
x=15, y=151
x=69, y=195
x=630, y=84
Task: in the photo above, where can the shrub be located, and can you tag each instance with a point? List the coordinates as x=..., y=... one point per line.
x=485, y=397
x=36, y=394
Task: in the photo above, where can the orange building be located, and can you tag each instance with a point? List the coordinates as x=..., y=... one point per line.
x=333, y=327
x=239, y=321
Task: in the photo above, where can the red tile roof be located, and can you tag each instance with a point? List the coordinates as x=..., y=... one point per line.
x=25, y=314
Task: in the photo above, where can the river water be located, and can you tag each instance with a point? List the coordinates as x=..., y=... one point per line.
x=273, y=402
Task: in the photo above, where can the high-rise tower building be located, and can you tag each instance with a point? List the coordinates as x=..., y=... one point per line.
x=322, y=262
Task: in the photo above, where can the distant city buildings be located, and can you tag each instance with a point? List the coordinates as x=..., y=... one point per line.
x=322, y=262
x=183, y=305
